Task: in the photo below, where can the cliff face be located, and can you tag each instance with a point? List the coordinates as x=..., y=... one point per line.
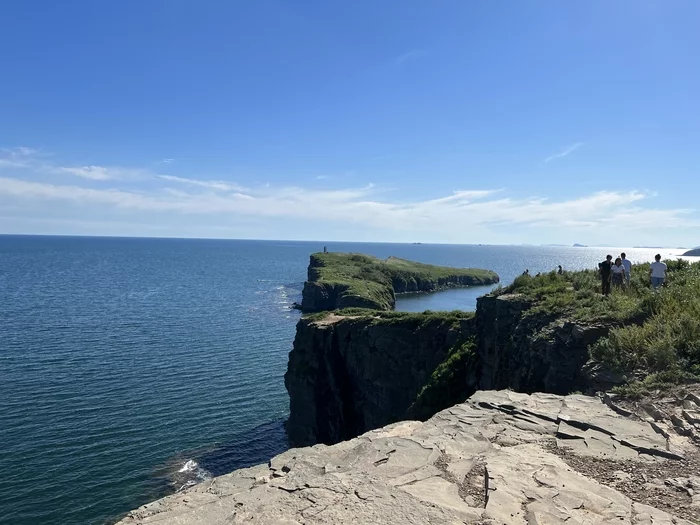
x=529, y=352
x=348, y=375
x=325, y=296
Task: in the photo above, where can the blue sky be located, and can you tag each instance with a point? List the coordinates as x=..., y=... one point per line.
x=450, y=121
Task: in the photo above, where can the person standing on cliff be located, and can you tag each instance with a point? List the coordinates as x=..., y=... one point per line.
x=628, y=268
x=618, y=274
x=605, y=269
x=657, y=272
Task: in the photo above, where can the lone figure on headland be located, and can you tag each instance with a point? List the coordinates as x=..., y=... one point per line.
x=657, y=272
x=605, y=270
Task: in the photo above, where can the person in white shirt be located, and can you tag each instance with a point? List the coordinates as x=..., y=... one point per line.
x=657, y=272
x=618, y=273
x=628, y=268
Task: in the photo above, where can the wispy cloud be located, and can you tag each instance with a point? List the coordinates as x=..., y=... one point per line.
x=171, y=198
x=101, y=173
x=452, y=213
x=34, y=160
x=410, y=56
x=19, y=157
x=564, y=152
x=167, y=161
x=88, y=172
x=212, y=184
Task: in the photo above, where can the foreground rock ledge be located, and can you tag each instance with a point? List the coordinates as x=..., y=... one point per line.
x=499, y=458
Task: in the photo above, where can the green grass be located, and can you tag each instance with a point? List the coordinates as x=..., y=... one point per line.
x=390, y=317
x=372, y=282
x=452, y=381
x=656, y=336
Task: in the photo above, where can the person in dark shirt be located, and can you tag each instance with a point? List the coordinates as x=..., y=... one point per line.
x=605, y=270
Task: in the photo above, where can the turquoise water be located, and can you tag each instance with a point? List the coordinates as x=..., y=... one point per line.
x=130, y=367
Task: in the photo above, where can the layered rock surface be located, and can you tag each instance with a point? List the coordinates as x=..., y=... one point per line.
x=499, y=458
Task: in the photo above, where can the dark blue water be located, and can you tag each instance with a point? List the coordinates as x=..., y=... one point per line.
x=130, y=367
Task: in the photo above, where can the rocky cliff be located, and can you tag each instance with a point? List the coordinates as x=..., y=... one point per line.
x=501, y=458
x=532, y=351
x=350, y=374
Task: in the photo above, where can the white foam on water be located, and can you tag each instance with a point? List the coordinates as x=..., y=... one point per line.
x=189, y=466
x=193, y=474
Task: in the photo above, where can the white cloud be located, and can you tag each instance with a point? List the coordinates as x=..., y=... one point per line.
x=366, y=210
x=168, y=161
x=410, y=56
x=33, y=159
x=460, y=211
x=88, y=172
x=212, y=184
x=19, y=157
x=566, y=151
x=101, y=173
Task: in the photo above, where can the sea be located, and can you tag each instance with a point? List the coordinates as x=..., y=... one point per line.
x=131, y=368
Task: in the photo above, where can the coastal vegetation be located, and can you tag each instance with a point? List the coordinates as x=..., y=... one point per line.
x=450, y=383
x=654, y=340
x=363, y=367
x=339, y=280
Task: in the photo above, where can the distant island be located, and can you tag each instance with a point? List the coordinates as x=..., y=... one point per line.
x=576, y=245
x=695, y=252
x=343, y=280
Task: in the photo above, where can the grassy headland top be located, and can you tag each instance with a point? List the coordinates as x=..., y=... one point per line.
x=342, y=280
x=654, y=337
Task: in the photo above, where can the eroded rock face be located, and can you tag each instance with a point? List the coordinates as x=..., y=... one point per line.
x=348, y=375
x=500, y=458
x=531, y=353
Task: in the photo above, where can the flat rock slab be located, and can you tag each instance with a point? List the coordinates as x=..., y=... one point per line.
x=487, y=461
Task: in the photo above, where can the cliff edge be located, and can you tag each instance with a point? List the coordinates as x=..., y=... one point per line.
x=346, y=280
x=354, y=370
x=500, y=458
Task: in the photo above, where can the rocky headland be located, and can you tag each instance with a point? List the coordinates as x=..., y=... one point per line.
x=380, y=398
x=347, y=280
x=356, y=369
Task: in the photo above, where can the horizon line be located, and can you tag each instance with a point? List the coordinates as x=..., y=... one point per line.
x=408, y=243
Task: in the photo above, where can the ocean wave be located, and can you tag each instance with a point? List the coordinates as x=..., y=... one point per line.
x=191, y=473
x=189, y=466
